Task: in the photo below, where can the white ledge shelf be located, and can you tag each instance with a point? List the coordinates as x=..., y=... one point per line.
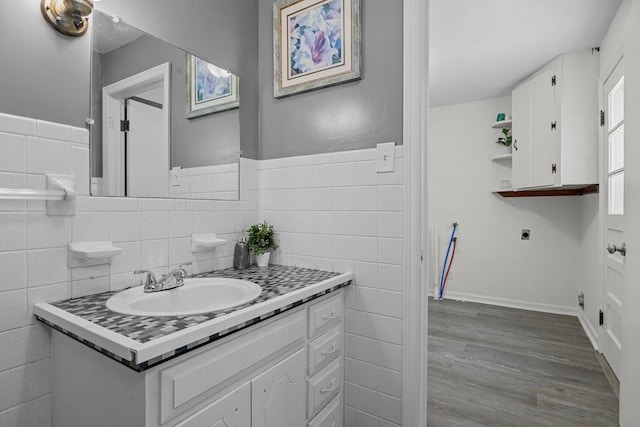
x=206, y=242
x=504, y=124
x=502, y=157
x=85, y=254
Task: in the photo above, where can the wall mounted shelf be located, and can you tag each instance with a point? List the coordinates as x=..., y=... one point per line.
x=550, y=192
x=502, y=157
x=504, y=124
x=206, y=242
x=85, y=254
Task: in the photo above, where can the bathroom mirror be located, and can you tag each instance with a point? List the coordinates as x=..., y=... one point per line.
x=165, y=123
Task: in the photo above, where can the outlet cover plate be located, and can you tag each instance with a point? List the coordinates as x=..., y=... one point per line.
x=386, y=152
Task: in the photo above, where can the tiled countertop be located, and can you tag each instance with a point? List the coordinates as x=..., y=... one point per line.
x=140, y=342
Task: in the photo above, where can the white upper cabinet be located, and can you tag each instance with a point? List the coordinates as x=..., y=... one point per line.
x=555, y=131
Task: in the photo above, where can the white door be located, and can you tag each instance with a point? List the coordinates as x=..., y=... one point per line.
x=278, y=396
x=613, y=193
x=147, y=158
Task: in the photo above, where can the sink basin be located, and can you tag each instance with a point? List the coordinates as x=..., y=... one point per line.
x=197, y=296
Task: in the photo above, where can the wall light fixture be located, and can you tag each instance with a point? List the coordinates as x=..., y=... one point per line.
x=67, y=16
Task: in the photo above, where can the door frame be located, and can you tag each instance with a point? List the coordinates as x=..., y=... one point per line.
x=113, y=104
x=603, y=203
x=416, y=224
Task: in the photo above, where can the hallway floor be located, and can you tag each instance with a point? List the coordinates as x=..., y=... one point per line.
x=495, y=366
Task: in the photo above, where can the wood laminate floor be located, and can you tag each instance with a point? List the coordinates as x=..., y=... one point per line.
x=496, y=366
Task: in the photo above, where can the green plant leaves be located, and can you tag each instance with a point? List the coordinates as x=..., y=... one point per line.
x=261, y=238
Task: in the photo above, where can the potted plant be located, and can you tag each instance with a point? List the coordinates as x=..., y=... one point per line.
x=506, y=140
x=261, y=242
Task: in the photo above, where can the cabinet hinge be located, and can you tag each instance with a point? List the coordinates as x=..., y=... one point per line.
x=601, y=321
x=601, y=117
x=553, y=81
x=124, y=125
x=553, y=125
x=554, y=168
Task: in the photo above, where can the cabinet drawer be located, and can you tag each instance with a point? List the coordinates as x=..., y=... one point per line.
x=325, y=313
x=233, y=409
x=324, y=349
x=324, y=386
x=189, y=382
x=331, y=416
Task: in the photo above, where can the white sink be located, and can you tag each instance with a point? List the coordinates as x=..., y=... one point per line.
x=197, y=296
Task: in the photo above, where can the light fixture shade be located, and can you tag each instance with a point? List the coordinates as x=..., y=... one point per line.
x=67, y=16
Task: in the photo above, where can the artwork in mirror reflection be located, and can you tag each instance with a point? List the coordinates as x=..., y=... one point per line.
x=209, y=88
x=142, y=142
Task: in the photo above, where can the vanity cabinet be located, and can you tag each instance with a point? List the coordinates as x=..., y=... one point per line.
x=286, y=371
x=278, y=394
x=555, y=131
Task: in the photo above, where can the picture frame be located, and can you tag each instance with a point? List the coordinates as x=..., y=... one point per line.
x=316, y=43
x=210, y=89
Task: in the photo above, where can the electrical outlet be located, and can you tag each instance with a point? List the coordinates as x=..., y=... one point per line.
x=581, y=300
x=386, y=153
x=525, y=234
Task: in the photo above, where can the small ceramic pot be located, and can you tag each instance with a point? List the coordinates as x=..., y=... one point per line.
x=263, y=260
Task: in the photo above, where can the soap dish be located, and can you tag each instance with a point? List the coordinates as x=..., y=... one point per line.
x=206, y=242
x=85, y=254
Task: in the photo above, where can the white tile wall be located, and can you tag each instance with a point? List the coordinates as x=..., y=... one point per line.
x=331, y=211
x=349, y=221
x=33, y=249
x=205, y=182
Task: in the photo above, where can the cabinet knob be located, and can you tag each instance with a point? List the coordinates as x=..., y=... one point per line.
x=329, y=316
x=330, y=388
x=613, y=249
x=515, y=144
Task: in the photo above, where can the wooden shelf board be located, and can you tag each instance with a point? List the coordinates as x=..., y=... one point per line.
x=504, y=124
x=577, y=191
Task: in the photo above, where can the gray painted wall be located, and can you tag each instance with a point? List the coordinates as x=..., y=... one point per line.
x=349, y=116
x=224, y=30
x=45, y=75
x=207, y=140
x=96, y=112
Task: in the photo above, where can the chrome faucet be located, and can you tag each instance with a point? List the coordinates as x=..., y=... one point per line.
x=173, y=279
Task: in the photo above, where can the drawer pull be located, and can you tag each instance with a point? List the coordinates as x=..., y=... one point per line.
x=329, y=389
x=329, y=316
x=329, y=351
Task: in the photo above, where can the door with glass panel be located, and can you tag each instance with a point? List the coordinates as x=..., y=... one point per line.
x=613, y=192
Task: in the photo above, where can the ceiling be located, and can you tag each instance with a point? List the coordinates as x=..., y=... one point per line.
x=481, y=49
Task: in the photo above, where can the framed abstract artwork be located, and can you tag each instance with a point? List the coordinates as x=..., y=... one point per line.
x=316, y=43
x=209, y=88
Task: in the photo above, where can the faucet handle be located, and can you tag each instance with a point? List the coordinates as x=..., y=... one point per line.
x=182, y=271
x=151, y=278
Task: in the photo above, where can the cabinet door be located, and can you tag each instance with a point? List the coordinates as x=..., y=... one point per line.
x=278, y=395
x=521, y=160
x=543, y=116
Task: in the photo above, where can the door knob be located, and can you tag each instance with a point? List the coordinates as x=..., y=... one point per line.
x=613, y=249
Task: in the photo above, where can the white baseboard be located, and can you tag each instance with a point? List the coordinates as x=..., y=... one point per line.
x=589, y=330
x=504, y=302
